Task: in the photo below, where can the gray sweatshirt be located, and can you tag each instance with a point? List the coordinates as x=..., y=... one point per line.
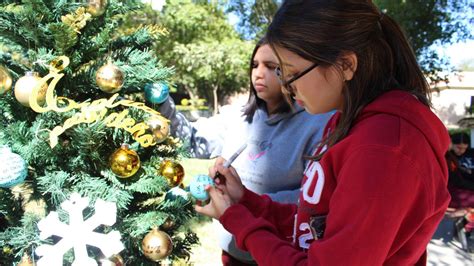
x=273, y=161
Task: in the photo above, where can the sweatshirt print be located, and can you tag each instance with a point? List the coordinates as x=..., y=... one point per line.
x=376, y=197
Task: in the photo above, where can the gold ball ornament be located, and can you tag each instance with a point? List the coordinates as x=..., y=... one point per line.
x=114, y=260
x=26, y=261
x=160, y=128
x=157, y=245
x=168, y=224
x=124, y=162
x=96, y=7
x=109, y=78
x=24, y=87
x=5, y=80
x=173, y=172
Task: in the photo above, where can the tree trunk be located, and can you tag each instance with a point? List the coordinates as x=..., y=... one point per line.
x=190, y=93
x=216, y=102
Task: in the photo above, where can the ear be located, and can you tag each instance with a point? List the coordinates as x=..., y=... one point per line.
x=348, y=63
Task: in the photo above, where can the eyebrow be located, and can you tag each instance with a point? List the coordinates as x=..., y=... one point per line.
x=267, y=62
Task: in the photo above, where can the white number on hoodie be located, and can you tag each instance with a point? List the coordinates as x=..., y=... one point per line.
x=307, y=235
x=310, y=173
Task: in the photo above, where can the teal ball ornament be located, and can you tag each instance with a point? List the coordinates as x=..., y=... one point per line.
x=197, y=187
x=157, y=92
x=13, y=169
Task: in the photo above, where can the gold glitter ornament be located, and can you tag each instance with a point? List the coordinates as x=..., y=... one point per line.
x=5, y=80
x=157, y=245
x=124, y=162
x=168, y=224
x=109, y=78
x=172, y=171
x=114, y=260
x=77, y=20
x=96, y=7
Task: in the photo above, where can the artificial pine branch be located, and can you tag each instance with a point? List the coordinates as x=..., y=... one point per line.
x=36, y=32
x=64, y=36
x=53, y=185
x=22, y=237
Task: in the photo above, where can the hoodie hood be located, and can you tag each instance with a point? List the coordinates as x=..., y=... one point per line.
x=274, y=119
x=406, y=106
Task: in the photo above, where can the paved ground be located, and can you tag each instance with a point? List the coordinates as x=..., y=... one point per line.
x=444, y=249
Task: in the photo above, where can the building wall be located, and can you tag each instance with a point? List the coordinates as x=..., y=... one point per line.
x=451, y=100
x=450, y=105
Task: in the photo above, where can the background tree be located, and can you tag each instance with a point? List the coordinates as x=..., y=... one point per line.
x=210, y=59
x=426, y=23
x=429, y=23
x=33, y=33
x=254, y=16
x=213, y=69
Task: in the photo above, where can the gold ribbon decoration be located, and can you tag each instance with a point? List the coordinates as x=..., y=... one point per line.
x=78, y=20
x=89, y=111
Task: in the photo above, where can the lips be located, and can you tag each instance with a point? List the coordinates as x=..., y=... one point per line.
x=260, y=87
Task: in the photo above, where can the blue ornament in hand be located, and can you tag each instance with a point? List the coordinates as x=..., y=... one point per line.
x=198, y=185
x=157, y=92
x=13, y=169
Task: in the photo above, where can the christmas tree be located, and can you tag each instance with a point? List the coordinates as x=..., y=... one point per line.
x=74, y=132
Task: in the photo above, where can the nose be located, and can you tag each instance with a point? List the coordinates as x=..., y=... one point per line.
x=259, y=71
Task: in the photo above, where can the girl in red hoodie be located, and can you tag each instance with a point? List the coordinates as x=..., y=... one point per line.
x=376, y=188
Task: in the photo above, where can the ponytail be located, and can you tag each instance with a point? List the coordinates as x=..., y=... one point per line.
x=407, y=71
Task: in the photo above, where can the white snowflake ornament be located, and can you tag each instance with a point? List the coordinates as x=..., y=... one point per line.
x=78, y=233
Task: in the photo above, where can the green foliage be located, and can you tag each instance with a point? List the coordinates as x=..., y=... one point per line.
x=189, y=21
x=208, y=55
x=255, y=16
x=64, y=36
x=24, y=231
x=32, y=34
x=219, y=66
x=427, y=23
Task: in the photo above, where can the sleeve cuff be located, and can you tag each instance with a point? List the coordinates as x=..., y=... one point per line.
x=233, y=217
x=241, y=223
x=249, y=198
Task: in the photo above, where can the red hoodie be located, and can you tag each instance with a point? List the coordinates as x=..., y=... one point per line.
x=375, y=198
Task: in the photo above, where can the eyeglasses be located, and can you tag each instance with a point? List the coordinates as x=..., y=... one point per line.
x=287, y=84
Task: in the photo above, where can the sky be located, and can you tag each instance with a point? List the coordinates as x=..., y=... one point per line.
x=155, y=4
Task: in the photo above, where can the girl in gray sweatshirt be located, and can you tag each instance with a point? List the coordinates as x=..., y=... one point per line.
x=277, y=135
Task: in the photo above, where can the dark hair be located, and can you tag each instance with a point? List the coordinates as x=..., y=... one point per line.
x=460, y=138
x=321, y=31
x=254, y=102
x=451, y=157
